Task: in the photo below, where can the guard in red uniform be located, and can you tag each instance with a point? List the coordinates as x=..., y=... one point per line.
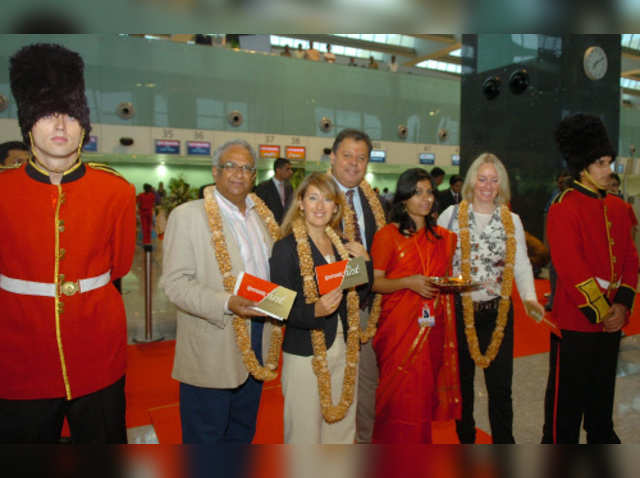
x=146, y=202
x=63, y=324
x=589, y=235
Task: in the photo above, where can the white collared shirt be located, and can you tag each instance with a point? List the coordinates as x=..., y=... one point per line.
x=280, y=191
x=357, y=204
x=248, y=234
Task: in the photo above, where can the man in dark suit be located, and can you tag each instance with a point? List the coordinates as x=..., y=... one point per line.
x=277, y=192
x=349, y=161
x=452, y=195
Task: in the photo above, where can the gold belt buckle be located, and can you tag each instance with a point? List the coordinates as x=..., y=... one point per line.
x=70, y=287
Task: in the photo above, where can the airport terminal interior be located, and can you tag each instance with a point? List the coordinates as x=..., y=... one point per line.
x=161, y=103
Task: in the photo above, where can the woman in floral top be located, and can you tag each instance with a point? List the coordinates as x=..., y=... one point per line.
x=491, y=252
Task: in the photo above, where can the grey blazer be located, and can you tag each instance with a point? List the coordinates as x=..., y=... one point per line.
x=206, y=352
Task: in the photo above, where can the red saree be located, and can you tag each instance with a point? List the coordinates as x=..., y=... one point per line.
x=419, y=379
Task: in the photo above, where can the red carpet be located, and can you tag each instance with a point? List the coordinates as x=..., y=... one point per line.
x=152, y=395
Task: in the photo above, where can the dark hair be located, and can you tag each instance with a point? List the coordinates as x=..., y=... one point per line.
x=437, y=172
x=147, y=187
x=355, y=135
x=8, y=146
x=280, y=163
x=405, y=189
x=326, y=150
x=454, y=179
x=616, y=177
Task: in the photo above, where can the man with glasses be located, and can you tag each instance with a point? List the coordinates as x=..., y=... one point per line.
x=218, y=397
x=277, y=191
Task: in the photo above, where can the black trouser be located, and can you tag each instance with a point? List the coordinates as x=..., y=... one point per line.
x=497, y=377
x=582, y=379
x=96, y=418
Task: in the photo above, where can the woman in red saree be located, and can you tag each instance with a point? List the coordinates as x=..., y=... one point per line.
x=416, y=339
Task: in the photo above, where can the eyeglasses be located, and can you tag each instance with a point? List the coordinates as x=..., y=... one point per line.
x=236, y=167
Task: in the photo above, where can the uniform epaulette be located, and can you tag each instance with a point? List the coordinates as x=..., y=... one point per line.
x=9, y=168
x=560, y=196
x=104, y=167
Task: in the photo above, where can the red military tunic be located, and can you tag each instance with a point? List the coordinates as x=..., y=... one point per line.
x=63, y=346
x=594, y=256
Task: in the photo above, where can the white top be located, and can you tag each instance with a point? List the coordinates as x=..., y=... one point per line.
x=393, y=67
x=522, y=271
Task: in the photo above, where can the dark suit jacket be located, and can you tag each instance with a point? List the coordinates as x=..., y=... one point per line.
x=285, y=271
x=369, y=219
x=445, y=199
x=268, y=192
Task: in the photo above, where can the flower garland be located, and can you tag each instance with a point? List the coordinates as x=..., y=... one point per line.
x=350, y=234
x=505, y=292
x=240, y=327
x=331, y=413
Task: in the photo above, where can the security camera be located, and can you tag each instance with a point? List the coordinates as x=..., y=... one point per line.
x=402, y=131
x=491, y=87
x=126, y=141
x=4, y=102
x=125, y=110
x=235, y=118
x=326, y=124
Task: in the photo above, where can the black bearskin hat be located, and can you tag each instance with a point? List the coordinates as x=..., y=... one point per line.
x=46, y=79
x=582, y=139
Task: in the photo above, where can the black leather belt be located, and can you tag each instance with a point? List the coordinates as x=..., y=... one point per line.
x=486, y=305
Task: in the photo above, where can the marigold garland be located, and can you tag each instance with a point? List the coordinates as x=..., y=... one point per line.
x=240, y=327
x=505, y=292
x=349, y=233
x=331, y=413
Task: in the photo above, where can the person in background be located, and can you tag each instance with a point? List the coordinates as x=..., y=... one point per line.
x=491, y=252
x=299, y=53
x=160, y=193
x=352, y=62
x=329, y=57
x=393, y=65
x=277, y=191
x=13, y=154
x=614, y=188
x=146, y=201
x=415, y=342
x=589, y=235
x=451, y=196
x=312, y=54
x=64, y=330
x=286, y=51
x=311, y=238
x=373, y=64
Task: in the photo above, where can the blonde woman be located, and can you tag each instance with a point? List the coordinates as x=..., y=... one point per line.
x=491, y=250
x=318, y=398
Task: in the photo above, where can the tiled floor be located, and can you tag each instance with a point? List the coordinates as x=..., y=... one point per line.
x=529, y=381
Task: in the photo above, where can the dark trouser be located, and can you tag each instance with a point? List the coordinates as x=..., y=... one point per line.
x=222, y=415
x=96, y=418
x=497, y=377
x=582, y=378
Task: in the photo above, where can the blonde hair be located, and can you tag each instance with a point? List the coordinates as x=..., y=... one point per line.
x=504, y=190
x=327, y=186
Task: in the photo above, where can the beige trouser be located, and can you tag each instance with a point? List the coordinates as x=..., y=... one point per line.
x=303, y=421
x=367, y=385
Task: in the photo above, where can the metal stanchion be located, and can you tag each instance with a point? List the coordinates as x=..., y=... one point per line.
x=148, y=329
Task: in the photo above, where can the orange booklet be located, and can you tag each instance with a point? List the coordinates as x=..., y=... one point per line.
x=343, y=274
x=273, y=300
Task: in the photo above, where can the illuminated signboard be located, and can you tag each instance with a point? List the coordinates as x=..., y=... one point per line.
x=455, y=160
x=167, y=146
x=268, y=151
x=92, y=144
x=427, y=158
x=378, y=156
x=199, y=148
x=295, y=152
